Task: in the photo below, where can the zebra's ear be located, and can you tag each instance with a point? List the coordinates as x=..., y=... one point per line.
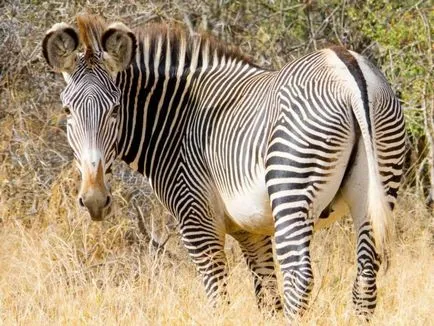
x=119, y=45
x=60, y=46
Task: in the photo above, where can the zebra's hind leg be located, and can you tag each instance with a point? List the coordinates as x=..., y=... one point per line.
x=307, y=155
x=365, y=286
x=293, y=237
x=258, y=253
x=355, y=191
x=301, y=184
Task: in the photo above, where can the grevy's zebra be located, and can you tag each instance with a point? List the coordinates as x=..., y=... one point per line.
x=230, y=148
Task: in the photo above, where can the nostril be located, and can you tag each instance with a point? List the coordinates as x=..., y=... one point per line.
x=108, y=201
x=80, y=201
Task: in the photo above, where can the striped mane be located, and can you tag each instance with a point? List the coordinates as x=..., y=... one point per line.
x=182, y=40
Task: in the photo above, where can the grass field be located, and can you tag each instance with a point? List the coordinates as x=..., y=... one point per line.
x=58, y=267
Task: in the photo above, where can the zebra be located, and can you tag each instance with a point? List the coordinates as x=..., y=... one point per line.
x=231, y=148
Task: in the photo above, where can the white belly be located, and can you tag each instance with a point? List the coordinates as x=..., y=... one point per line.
x=250, y=210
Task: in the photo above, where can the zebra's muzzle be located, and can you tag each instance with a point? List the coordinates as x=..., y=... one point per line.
x=94, y=195
x=95, y=207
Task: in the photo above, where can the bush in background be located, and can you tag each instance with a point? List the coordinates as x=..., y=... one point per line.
x=33, y=148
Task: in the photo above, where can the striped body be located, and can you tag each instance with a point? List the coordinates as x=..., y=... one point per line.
x=230, y=148
x=226, y=139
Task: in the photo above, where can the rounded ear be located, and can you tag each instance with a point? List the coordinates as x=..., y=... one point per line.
x=60, y=46
x=119, y=45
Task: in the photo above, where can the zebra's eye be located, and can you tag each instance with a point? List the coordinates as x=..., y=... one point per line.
x=66, y=110
x=115, y=111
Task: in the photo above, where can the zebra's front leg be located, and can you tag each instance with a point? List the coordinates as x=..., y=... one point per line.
x=258, y=252
x=205, y=246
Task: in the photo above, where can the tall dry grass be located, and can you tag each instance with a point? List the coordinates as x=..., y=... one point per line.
x=73, y=271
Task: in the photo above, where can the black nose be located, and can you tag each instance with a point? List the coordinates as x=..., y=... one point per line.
x=96, y=201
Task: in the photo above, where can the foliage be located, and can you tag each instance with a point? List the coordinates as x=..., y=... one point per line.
x=401, y=36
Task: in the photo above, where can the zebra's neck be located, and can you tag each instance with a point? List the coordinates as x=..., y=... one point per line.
x=171, y=80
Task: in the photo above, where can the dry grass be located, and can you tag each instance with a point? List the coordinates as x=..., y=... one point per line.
x=73, y=271
x=57, y=267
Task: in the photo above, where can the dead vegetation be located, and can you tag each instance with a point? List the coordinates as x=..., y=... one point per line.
x=57, y=267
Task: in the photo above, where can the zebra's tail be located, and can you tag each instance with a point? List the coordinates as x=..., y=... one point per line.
x=379, y=210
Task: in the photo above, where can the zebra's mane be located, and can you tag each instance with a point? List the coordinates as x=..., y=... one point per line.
x=91, y=28
x=181, y=39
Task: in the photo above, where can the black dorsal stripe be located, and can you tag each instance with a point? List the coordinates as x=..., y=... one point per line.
x=354, y=68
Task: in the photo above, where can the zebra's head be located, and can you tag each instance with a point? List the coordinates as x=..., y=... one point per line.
x=91, y=98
